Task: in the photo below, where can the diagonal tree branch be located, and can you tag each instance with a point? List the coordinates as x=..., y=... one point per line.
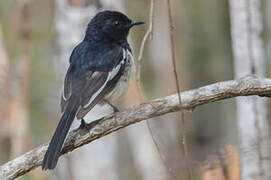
x=246, y=86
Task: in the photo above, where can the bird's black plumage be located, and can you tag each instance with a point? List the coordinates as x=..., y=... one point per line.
x=97, y=65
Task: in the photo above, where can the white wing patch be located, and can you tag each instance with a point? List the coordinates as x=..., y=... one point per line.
x=110, y=76
x=63, y=94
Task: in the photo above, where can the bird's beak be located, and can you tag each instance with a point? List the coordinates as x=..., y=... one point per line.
x=134, y=23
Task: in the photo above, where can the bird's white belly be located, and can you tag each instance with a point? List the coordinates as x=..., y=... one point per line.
x=124, y=81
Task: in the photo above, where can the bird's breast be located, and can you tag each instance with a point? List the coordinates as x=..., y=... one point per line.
x=124, y=81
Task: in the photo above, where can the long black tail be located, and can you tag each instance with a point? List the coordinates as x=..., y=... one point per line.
x=55, y=146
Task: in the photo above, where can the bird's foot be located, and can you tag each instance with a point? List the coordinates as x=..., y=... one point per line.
x=83, y=124
x=115, y=109
x=88, y=126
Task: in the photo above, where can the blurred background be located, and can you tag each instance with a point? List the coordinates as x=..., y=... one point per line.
x=36, y=39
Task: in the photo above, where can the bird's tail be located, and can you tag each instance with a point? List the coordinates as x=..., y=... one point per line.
x=53, y=151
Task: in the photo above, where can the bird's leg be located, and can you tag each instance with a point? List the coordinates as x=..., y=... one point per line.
x=115, y=109
x=83, y=124
x=88, y=126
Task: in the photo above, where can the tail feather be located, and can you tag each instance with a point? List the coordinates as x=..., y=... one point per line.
x=55, y=146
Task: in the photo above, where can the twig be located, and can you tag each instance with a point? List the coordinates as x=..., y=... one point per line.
x=173, y=48
x=174, y=59
x=139, y=67
x=247, y=86
x=140, y=56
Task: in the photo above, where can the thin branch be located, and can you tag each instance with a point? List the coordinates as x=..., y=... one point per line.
x=173, y=49
x=247, y=86
x=148, y=34
x=140, y=56
x=174, y=59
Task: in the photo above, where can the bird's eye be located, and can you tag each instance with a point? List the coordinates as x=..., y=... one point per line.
x=116, y=23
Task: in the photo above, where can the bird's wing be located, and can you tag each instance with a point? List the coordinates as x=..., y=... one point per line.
x=92, y=98
x=92, y=84
x=67, y=89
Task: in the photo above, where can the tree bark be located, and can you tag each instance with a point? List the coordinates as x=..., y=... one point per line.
x=249, y=58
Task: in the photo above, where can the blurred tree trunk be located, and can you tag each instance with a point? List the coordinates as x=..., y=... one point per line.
x=267, y=15
x=21, y=98
x=4, y=79
x=267, y=22
x=4, y=68
x=249, y=56
x=14, y=103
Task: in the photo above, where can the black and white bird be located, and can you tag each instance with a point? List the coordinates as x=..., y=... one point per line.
x=101, y=69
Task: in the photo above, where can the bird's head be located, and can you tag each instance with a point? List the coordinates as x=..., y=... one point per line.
x=111, y=25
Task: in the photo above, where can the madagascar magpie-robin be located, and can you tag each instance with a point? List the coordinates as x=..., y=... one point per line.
x=101, y=69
